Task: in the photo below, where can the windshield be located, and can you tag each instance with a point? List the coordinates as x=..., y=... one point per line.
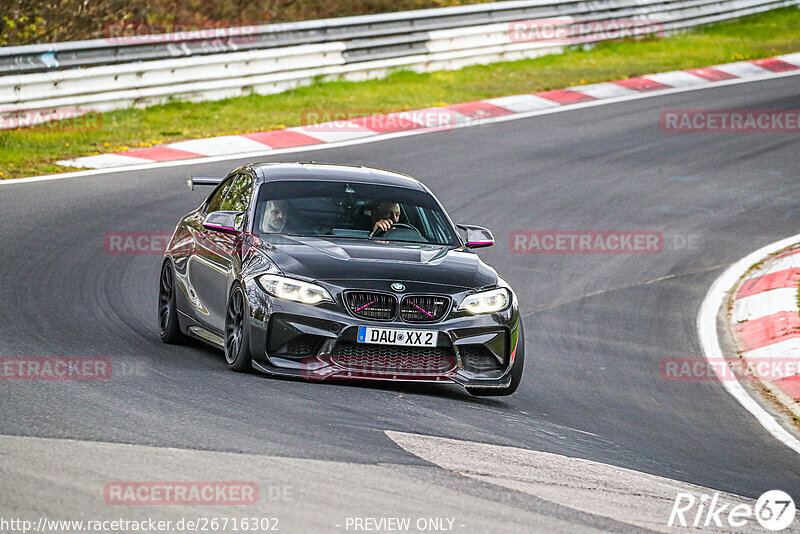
x=352, y=210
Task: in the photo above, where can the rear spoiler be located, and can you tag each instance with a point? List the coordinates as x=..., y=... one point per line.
x=192, y=181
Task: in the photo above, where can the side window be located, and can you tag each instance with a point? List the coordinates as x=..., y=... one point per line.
x=215, y=202
x=238, y=195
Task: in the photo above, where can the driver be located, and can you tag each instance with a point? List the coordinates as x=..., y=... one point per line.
x=386, y=214
x=275, y=214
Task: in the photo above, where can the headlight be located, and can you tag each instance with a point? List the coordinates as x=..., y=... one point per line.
x=491, y=301
x=295, y=290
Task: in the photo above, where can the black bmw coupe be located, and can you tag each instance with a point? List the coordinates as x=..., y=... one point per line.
x=338, y=272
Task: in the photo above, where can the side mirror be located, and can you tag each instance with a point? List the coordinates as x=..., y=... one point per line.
x=477, y=236
x=224, y=221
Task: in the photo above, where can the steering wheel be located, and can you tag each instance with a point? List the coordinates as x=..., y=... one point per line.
x=396, y=226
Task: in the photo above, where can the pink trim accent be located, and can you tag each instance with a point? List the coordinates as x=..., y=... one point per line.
x=367, y=305
x=420, y=309
x=514, y=352
x=209, y=225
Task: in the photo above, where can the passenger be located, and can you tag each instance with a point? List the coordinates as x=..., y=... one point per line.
x=275, y=214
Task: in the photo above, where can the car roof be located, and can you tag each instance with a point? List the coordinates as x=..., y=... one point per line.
x=269, y=172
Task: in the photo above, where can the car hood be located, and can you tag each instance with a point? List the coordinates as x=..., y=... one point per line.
x=333, y=259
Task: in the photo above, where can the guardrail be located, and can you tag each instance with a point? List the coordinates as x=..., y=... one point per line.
x=116, y=75
x=379, y=32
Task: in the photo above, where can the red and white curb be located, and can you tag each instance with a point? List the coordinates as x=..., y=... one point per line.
x=766, y=323
x=740, y=282
x=438, y=118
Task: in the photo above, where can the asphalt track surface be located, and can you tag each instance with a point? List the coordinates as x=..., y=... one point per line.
x=597, y=326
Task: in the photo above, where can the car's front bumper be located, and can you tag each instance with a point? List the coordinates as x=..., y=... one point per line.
x=319, y=343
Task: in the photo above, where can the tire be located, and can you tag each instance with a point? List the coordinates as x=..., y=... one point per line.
x=237, y=336
x=169, y=328
x=516, y=373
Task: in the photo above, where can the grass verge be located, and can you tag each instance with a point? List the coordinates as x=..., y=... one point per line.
x=34, y=151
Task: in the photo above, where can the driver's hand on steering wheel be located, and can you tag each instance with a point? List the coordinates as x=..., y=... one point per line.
x=383, y=225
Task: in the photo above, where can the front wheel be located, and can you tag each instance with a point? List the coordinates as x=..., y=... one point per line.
x=237, y=339
x=516, y=373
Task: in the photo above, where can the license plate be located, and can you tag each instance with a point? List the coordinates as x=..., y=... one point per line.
x=397, y=336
